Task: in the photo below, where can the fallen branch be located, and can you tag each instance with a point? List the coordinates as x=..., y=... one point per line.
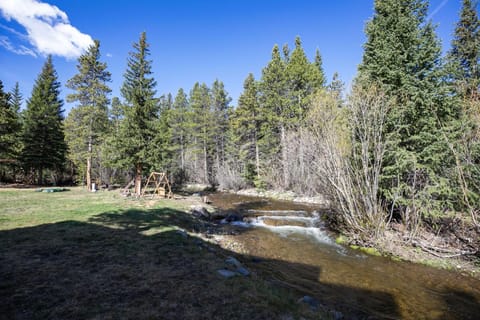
x=435, y=251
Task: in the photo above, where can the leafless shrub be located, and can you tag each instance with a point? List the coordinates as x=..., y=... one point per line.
x=349, y=145
x=230, y=178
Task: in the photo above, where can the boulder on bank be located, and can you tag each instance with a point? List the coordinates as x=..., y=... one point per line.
x=233, y=262
x=231, y=217
x=226, y=273
x=200, y=212
x=233, y=268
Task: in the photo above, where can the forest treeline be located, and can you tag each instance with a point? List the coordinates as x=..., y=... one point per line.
x=403, y=143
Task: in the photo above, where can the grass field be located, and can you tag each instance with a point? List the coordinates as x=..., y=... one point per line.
x=80, y=255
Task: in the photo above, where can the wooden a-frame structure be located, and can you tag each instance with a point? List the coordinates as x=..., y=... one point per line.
x=157, y=184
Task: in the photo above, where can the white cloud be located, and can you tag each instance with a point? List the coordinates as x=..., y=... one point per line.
x=109, y=55
x=48, y=28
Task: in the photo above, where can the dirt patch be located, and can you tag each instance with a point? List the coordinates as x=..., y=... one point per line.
x=17, y=186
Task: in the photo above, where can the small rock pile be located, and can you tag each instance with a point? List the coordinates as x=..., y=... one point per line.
x=233, y=268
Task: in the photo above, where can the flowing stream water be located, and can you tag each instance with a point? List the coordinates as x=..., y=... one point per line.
x=295, y=249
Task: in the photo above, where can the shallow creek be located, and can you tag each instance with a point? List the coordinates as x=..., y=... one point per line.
x=295, y=249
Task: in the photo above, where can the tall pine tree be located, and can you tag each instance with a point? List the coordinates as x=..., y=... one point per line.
x=402, y=57
x=17, y=98
x=203, y=125
x=465, y=52
x=287, y=86
x=336, y=88
x=221, y=112
x=9, y=131
x=164, y=152
x=303, y=79
x=87, y=122
x=464, y=72
x=246, y=123
x=44, y=144
x=274, y=105
x=7, y=125
x=138, y=127
x=180, y=126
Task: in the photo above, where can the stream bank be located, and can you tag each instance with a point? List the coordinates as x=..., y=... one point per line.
x=454, y=239
x=307, y=259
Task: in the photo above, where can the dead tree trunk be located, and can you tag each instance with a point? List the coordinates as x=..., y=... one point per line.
x=89, y=164
x=182, y=153
x=205, y=163
x=257, y=158
x=283, y=143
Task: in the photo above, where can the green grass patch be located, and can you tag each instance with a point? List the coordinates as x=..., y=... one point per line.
x=341, y=239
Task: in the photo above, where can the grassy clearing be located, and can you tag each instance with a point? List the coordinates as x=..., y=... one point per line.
x=79, y=255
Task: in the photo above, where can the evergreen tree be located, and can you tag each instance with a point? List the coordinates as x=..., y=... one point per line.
x=274, y=105
x=246, y=123
x=465, y=52
x=180, y=126
x=116, y=111
x=464, y=73
x=319, y=78
x=337, y=87
x=44, y=144
x=138, y=127
x=17, y=98
x=163, y=141
x=303, y=79
x=9, y=131
x=87, y=122
x=203, y=130
x=402, y=57
x=110, y=157
x=13, y=124
x=287, y=86
x=9, y=126
x=221, y=110
x=286, y=53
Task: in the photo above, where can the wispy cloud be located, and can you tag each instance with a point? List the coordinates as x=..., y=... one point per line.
x=109, y=55
x=437, y=9
x=21, y=50
x=48, y=29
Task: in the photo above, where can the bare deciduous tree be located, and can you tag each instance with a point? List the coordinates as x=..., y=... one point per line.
x=349, y=145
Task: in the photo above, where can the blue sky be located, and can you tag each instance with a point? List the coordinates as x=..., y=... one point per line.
x=190, y=40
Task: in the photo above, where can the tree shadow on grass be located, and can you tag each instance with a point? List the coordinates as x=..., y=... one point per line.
x=133, y=264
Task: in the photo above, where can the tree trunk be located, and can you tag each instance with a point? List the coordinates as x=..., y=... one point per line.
x=40, y=176
x=205, y=163
x=195, y=157
x=182, y=153
x=89, y=165
x=257, y=157
x=138, y=179
x=283, y=144
x=217, y=158
x=302, y=155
